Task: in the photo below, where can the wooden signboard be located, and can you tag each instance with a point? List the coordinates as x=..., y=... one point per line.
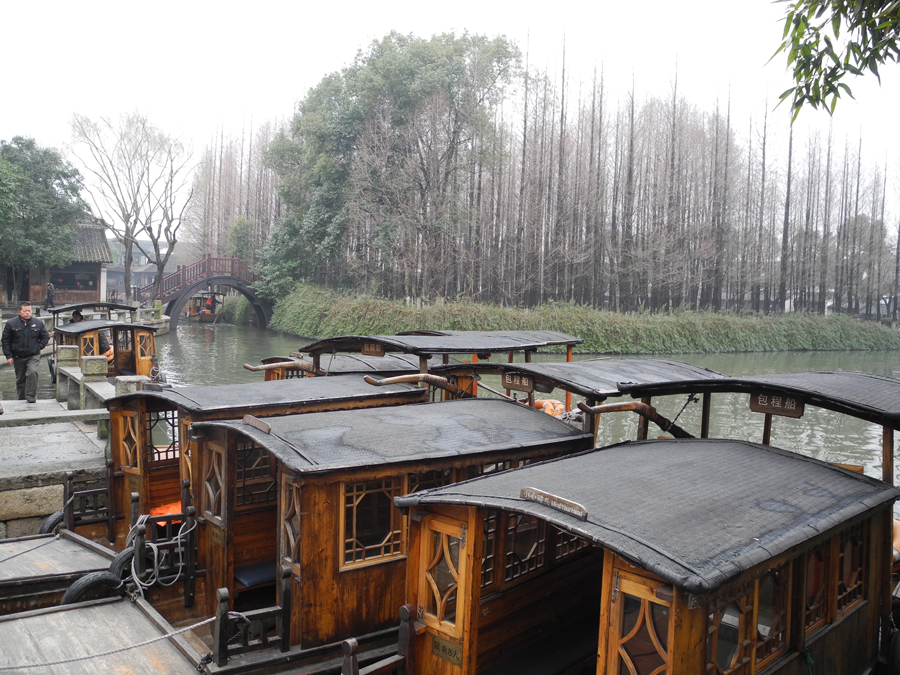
x=554, y=502
x=446, y=650
x=372, y=349
x=518, y=381
x=786, y=405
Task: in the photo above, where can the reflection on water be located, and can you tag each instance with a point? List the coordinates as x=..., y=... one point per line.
x=210, y=354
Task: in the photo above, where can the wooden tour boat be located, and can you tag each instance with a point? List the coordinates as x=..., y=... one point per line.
x=202, y=306
x=678, y=556
x=132, y=344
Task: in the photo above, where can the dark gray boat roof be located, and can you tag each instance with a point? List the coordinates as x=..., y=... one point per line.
x=80, y=327
x=447, y=342
x=98, y=306
x=602, y=378
x=875, y=398
x=696, y=512
x=342, y=439
x=359, y=363
x=295, y=391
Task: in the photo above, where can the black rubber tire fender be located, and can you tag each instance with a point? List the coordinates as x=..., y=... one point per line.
x=93, y=584
x=53, y=523
x=120, y=567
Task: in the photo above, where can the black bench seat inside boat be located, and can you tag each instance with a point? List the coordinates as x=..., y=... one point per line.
x=258, y=574
x=558, y=652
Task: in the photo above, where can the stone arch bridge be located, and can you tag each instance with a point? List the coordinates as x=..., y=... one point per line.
x=176, y=289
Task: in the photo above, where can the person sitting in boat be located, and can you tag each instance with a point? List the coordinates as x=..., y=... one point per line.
x=105, y=348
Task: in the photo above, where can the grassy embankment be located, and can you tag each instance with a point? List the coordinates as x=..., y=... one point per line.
x=318, y=312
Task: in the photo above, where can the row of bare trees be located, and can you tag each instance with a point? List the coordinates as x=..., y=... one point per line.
x=235, y=200
x=521, y=188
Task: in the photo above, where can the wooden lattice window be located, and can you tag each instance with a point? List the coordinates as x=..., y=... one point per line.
x=214, y=482
x=290, y=520
x=428, y=479
x=371, y=527
x=773, y=598
x=641, y=624
x=254, y=480
x=816, y=588
x=129, y=438
x=124, y=341
x=489, y=559
x=851, y=567
x=568, y=544
x=442, y=582
x=163, y=439
x=526, y=544
x=145, y=345
x=729, y=632
x=89, y=344
x=489, y=468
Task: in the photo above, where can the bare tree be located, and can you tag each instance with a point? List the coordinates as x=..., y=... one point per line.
x=139, y=187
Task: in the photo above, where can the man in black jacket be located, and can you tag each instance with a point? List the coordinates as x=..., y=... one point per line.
x=23, y=339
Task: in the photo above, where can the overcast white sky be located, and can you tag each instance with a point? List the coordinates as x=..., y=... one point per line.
x=198, y=66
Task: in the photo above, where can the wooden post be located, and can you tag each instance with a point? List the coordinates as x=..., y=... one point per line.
x=139, y=543
x=185, y=495
x=284, y=620
x=704, y=419
x=406, y=638
x=188, y=545
x=220, y=632
x=767, y=429
x=887, y=454
x=69, y=506
x=135, y=508
x=643, y=423
x=349, y=664
x=110, y=502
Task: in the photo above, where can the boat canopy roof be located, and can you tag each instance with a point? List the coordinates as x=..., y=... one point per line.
x=80, y=327
x=875, y=398
x=696, y=512
x=446, y=342
x=95, y=306
x=295, y=391
x=359, y=363
x=602, y=378
x=346, y=439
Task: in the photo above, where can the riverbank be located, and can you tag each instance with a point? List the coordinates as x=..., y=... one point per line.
x=314, y=310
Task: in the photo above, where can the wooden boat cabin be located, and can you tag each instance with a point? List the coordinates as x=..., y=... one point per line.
x=150, y=428
x=866, y=396
x=593, y=380
x=130, y=346
x=670, y=556
x=376, y=354
x=202, y=307
x=314, y=492
x=299, y=365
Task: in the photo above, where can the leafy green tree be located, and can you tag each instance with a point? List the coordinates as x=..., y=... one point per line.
x=380, y=147
x=826, y=39
x=39, y=228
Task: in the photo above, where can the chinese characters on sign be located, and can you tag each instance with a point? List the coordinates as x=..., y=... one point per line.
x=518, y=381
x=446, y=650
x=786, y=405
x=372, y=349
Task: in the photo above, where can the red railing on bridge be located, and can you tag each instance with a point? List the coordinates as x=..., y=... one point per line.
x=202, y=269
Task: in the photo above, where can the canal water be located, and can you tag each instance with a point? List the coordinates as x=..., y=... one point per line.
x=208, y=354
